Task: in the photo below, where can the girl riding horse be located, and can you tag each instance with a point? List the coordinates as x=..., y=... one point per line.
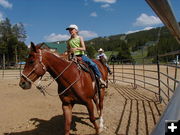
x=77, y=47
x=74, y=85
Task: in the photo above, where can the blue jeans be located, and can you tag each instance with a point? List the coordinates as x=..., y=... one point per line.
x=92, y=65
x=109, y=70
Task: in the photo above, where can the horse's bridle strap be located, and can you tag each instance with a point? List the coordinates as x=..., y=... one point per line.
x=26, y=76
x=44, y=68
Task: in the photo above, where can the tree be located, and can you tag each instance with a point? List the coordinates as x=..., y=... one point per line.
x=19, y=31
x=124, y=52
x=91, y=51
x=12, y=39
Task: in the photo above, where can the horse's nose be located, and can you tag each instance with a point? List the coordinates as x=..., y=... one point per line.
x=22, y=84
x=25, y=85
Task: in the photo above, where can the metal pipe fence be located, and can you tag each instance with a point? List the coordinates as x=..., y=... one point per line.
x=161, y=77
x=14, y=73
x=10, y=73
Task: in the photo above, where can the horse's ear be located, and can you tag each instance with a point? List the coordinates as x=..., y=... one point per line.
x=41, y=44
x=33, y=47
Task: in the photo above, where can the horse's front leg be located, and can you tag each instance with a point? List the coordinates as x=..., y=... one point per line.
x=67, y=110
x=91, y=114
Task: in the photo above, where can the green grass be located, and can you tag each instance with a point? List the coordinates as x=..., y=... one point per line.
x=109, y=53
x=139, y=55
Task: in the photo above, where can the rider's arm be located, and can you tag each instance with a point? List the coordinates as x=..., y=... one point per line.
x=105, y=56
x=97, y=57
x=83, y=47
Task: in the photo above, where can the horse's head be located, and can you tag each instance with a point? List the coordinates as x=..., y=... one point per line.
x=34, y=67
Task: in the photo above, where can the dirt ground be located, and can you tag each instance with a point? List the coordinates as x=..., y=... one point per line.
x=127, y=111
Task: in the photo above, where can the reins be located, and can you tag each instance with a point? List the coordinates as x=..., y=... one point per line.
x=43, y=88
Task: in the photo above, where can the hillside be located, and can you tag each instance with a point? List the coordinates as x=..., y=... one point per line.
x=127, y=44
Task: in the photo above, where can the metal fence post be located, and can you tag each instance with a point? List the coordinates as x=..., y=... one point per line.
x=159, y=83
x=167, y=72
x=113, y=73
x=3, y=73
x=122, y=70
x=134, y=72
x=143, y=73
x=175, y=76
x=20, y=70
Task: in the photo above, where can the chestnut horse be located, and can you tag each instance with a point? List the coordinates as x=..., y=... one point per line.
x=75, y=86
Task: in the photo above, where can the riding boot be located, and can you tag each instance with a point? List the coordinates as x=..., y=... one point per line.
x=110, y=72
x=102, y=83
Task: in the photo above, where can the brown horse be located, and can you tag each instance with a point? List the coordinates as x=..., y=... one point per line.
x=75, y=86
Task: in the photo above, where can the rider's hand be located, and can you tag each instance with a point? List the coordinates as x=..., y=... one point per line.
x=73, y=49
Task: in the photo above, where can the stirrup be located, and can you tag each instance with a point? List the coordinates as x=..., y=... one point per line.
x=102, y=86
x=102, y=83
x=110, y=72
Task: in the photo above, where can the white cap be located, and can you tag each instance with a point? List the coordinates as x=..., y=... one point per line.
x=72, y=26
x=100, y=50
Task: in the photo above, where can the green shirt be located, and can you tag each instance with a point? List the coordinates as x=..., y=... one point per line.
x=76, y=43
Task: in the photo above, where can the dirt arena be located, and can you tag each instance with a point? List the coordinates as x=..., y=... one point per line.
x=127, y=111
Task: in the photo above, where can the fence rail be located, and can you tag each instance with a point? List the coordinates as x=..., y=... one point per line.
x=160, y=78
x=13, y=73
x=10, y=73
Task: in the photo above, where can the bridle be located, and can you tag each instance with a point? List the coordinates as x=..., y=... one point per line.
x=44, y=68
x=43, y=88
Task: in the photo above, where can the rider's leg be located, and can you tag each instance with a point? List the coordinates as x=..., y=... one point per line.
x=95, y=69
x=108, y=69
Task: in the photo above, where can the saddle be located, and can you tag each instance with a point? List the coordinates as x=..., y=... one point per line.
x=82, y=65
x=85, y=67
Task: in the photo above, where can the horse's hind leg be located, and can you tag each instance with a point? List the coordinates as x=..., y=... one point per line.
x=95, y=99
x=90, y=108
x=101, y=99
x=67, y=110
